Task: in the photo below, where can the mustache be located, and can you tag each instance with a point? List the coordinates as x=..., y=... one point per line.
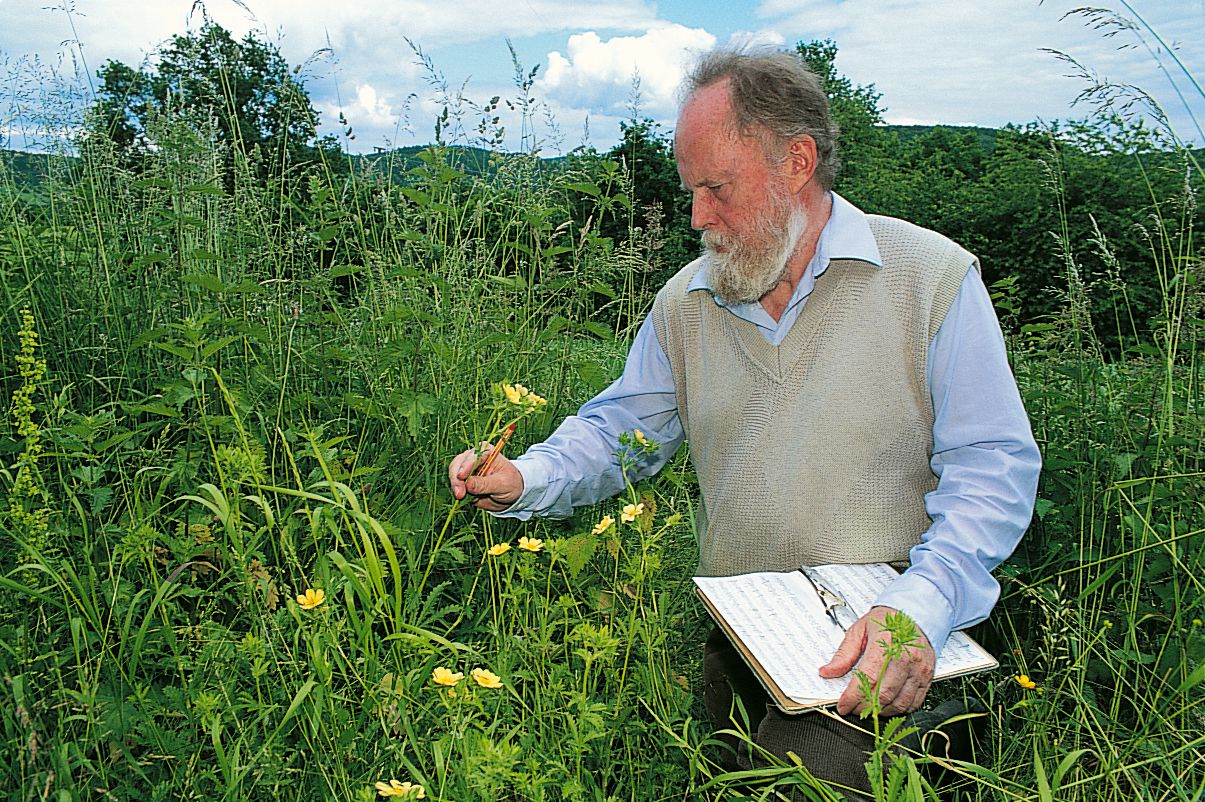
x=713, y=240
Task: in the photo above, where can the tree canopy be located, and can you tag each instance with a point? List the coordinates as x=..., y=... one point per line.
x=244, y=89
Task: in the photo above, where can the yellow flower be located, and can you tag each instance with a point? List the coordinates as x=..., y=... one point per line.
x=405, y=790
x=486, y=678
x=1025, y=682
x=531, y=543
x=606, y=523
x=630, y=511
x=640, y=438
x=520, y=396
x=311, y=598
x=445, y=676
x=498, y=549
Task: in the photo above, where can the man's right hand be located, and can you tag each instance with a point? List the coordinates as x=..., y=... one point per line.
x=495, y=492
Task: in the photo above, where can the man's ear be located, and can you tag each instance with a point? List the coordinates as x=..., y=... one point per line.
x=801, y=162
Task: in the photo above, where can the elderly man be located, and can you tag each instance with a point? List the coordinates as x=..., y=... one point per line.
x=843, y=385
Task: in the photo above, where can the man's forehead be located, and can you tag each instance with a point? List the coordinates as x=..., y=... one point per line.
x=709, y=107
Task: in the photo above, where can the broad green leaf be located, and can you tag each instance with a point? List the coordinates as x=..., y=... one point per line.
x=206, y=281
x=588, y=189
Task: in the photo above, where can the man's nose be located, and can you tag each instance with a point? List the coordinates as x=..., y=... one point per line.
x=702, y=212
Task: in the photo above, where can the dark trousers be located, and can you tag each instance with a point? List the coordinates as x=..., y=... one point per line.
x=833, y=749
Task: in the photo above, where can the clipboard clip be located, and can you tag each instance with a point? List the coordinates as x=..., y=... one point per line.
x=831, y=600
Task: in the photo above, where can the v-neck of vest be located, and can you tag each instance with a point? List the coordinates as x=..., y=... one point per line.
x=779, y=361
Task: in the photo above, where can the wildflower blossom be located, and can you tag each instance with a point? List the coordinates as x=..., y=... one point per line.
x=606, y=523
x=486, y=678
x=531, y=543
x=403, y=790
x=1025, y=682
x=520, y=396
x=498, y=549
x=445, y=676
x=631, y=511
x=640, y=438
x=311, y=598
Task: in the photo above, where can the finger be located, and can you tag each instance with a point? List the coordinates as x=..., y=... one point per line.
x=458, y=471
x=922, y=691
x=905, y=701
x=847, y=654
x=497, y=481
x=503, y=486
x=871, y=665
x=487, y=503
x=891, y=687
x=472, y=458
x=852, y=699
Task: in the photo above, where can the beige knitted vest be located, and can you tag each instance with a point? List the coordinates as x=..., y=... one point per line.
x=816, y=450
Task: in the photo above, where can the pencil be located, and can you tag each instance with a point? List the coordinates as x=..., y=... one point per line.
x=484, y=468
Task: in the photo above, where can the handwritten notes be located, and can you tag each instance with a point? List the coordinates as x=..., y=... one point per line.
x=778, y=622
x=781, y=620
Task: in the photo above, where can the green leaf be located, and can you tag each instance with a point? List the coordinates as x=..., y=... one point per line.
x=152, y=258
x=204, y=189
x=153, y=408
x=588, y=189
x=1065, y=765
x=1039, y=771
x=603, y=288
x=178, y=350
x=513, y=282
x=1193, y=680
x=417, y=195
x=213, y=347
x=597, y=329
x=577, y=551
x=592, y=374
x=206, y=281
x=338, y=271
x=414, y=407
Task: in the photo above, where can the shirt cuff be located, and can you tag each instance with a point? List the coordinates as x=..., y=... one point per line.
x=924, y=604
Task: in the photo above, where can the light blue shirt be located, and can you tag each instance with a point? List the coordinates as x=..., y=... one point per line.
x=984, y=454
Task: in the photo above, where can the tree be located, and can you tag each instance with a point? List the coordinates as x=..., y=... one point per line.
x=244, y=87
x=648, y=154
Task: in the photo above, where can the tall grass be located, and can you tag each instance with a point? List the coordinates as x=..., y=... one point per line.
x=253, y=390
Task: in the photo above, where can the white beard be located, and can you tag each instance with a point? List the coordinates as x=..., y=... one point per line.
x=752, y=265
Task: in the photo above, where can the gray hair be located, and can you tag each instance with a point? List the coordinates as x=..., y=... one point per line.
x=775, y=98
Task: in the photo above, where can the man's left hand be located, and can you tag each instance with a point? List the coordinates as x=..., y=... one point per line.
x=904, y=683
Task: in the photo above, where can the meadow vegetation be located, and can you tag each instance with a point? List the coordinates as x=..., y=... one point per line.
x=235, y=371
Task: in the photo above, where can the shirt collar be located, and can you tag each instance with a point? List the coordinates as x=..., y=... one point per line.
x=846, y=236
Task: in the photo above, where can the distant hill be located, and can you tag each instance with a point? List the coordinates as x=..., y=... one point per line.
x=986, y=136
x=394, y=164
x=29, y=170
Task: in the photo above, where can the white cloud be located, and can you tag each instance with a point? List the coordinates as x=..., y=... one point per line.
x=932, y=60
x=372, y=108
x=950, y=60
x=762, y=38
x=598, y=74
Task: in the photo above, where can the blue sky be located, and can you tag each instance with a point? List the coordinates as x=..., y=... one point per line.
x=956, y=62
